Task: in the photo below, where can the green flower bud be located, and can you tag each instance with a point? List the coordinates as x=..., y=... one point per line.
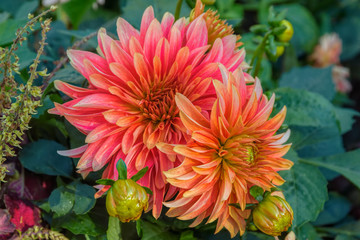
x=279, y=51
x=273, y=215
x=126, y=200
x=287, y=34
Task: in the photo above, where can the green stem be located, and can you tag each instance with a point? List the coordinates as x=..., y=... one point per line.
x=258, y=54
x=178, y=9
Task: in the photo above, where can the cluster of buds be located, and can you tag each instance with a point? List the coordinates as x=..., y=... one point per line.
x=272, y=38
x=277, y=34
x=126, y=199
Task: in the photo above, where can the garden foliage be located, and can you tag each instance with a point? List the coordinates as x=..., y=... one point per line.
x=322, y=186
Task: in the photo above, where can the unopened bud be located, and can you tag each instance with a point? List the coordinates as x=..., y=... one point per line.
x=287, y=34
x=126, y=200
x=273, y=215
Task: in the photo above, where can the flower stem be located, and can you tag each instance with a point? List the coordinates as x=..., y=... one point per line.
x=178, y=9
x=258, y=54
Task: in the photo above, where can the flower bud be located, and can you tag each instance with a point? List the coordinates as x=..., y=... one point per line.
x=126, y=200
x=279, y=51
x=287, y=34
x=273, y=215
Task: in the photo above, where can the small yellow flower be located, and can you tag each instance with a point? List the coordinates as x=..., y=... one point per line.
x=273, y=215
x=126, y=200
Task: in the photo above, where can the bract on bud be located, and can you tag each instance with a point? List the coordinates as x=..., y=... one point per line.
x=273, y=215
x=126, y=200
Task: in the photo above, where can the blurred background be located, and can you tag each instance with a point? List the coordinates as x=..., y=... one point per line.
x=323, y=57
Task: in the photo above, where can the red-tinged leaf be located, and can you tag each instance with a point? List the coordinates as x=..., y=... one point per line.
x=23, y=213
x=6, y=226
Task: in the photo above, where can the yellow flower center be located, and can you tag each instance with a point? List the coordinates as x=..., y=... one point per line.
x=239, y=149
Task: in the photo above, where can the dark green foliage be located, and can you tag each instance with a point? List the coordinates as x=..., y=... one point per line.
x=316, y=115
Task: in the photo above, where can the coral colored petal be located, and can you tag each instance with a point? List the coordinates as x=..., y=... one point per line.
x=105, y=44
x=73, y=91
x=153, y=35
x=73, y=152
x=101, y=131
x=190, y=111
x=146, y=20
x=197, y=34
x=125, y=31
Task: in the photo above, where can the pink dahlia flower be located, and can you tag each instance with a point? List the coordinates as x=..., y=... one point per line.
x=233, y=149
x=129, y=105
x=328, y=52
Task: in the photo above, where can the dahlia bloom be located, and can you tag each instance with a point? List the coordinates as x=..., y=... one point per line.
x=340, y=76
x=326, y=53
x=229, y=152
x=129, y=105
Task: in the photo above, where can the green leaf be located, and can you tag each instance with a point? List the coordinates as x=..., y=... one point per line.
x=350, y=229
x=105, y=182
x=154, y=231
x=187, y=235
x=305, y=189
x=257, y=192
x=26, y=56
x=310, y=116
x=344, y=237
x=61, y=200
x=26, y=8
x=46, y=104
x=335, y=209
x=307, y=232
x=318, y=80
x=306, y=31
x=114, y=231
x=258, y=236
x=148, y=190
x=349, y=32
x=8, y=29
x=346, y=164
x=69, y=75
x=122, y=169
x=41, y=157
x=80, y=34
x=138, y=228
x=77, y=138
x=8, y=5
x=345, y=117
x=75, y=10
x=84, y=198
x=133, y=10
x=139, y=174
x=4, y=16
x=326, y=147
x=81, y=224
x=224, y=5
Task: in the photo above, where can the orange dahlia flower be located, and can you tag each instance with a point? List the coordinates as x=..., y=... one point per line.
x=129, y=105
x=229, y=152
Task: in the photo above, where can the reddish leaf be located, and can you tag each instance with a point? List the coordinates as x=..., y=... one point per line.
x=23, y=213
